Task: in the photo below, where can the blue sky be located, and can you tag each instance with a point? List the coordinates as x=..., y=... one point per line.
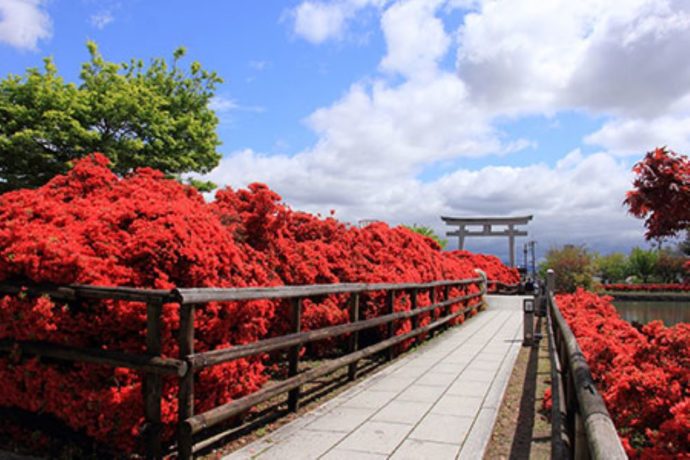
x=403, y=110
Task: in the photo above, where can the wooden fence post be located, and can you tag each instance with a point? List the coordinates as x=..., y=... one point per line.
x=447, y=308
x=432, y=314
x=354, y=337
x=153, y=383
x=390, y=308
x=185, y=395
x=413, y=306
x=293, y=354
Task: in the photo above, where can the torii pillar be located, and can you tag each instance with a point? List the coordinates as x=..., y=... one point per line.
x=487, y=229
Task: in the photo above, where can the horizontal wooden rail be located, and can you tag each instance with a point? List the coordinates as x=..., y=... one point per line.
x=215, y=416
x=589, y=427
x=80, y=291
x=153, y=364
x=215, y=357
x=203, y=295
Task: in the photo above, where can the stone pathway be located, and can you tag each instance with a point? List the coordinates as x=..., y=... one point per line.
x=439, y=403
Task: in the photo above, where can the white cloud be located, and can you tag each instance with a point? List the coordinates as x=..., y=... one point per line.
x=101, y=19
x=222, y=105
x=634, y=136
x=415, y=37
x=624, y=57
x=318, y=21
x=620, y=60
x=23, y=23
x=577, y=201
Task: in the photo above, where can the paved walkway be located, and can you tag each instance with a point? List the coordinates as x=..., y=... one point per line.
x=439, y=403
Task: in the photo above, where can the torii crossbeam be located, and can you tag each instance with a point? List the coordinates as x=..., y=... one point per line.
x=487, y=229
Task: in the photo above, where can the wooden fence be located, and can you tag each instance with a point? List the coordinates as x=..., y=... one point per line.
x=191, y=426
x=582, y=426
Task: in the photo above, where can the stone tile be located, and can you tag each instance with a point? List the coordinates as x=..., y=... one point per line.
x=478, y=365
x=449, y=368
x=344, y=419
x=461, y=406
x=468, y=388
x=411, y=371
x=478, y=438
x=458, y=357
x=489, y=357
x=478, y=376
x=370, y=399
x=402, y=412
x=344, y=454
x=436, y=379
x=376, y=437
x=392, y=383
x=421, y=393
x=413, y=449
x=307, y=446
x=442, y=428
x=446, y=390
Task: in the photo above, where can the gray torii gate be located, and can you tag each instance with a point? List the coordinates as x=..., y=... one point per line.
x=487, y=229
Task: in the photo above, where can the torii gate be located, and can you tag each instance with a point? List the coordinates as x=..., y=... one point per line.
x=487, y=224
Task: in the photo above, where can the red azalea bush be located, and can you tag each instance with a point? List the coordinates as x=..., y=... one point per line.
x=92, y=227
x=491, y=265
x=648, y=287
x=643, y=376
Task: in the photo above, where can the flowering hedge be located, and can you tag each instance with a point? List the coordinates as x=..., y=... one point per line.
x=92, y=227
x=491, y=265
x=649, y=287
x=643, y=376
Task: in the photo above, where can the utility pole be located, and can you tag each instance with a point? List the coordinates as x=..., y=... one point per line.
x=524, y=257
x=532, y=245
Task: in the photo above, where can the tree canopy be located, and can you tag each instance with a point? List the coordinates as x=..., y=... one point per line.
x=661, y=193
x=153, y=115
x=573, y=266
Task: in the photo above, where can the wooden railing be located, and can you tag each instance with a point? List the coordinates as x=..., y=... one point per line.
x=582, y=426
x=154, y=366
x=503, y=288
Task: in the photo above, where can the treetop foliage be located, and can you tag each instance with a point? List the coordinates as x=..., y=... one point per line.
x=661, y=193
x=153, y=115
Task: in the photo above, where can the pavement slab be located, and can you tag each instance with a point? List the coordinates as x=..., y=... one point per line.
x=438, y=402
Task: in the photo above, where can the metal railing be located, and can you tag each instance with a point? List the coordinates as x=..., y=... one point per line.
x=154, y=366
x=582, y=426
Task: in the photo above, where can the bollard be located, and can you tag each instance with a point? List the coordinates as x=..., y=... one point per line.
x=528, y=310
x=550, y=281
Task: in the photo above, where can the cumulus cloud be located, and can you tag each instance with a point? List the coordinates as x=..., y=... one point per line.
x=415, y=37
x=318, y=21
x=635, y=136
x=23, y=23
x=623, y=57
x=620, y=61
x=578, y=200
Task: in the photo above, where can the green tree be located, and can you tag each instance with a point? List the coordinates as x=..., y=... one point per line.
x=612, y=267
x=429, y=233
x=642, y=263
x=153, y=115
x=669, y=266
x=573, y=265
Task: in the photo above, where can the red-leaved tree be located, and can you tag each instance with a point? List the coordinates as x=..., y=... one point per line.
x=661, y=193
